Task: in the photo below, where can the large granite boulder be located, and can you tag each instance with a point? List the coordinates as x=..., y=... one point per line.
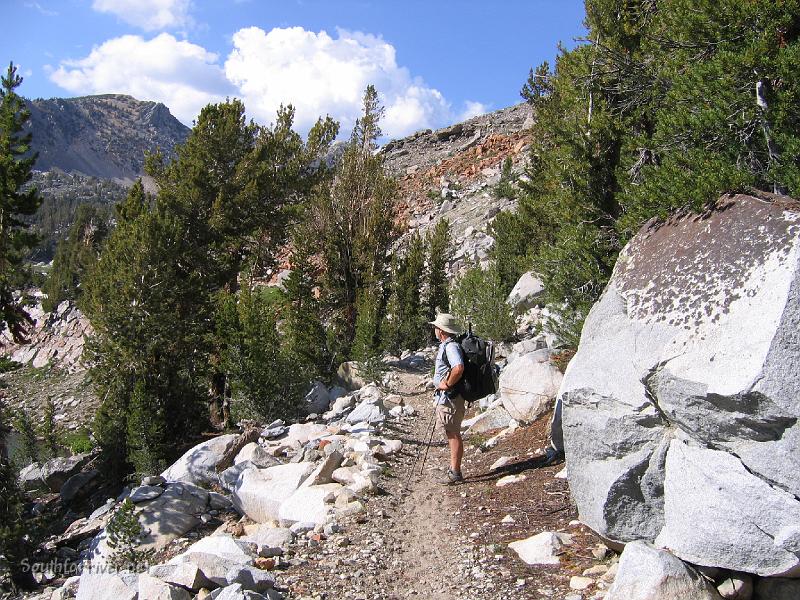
x=681, y=406
x=198, y=464
x=526, y=293
x=56, y=471
x=529, y=385
x=259, y=493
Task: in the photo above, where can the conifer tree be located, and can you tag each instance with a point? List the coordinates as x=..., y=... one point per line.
x=124, y=534
x=16, y=201
x=153, y=295
x=369, y=315
x=30, y=444
x=305, y=336
x=406, y=329
x=353, y=220
x=75, y=256
x=48, y=429
x=439, y=252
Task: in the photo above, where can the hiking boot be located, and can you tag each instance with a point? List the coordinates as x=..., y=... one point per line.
x=552, y=457
x=451, y=478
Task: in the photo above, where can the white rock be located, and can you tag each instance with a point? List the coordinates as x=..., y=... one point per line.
x=526, y=292
x=529, y=385
x=102, y=586
x=501, y=462
x=509, y=479
x=260, y=492
x=703, y=341
x=579, y=583
x=647, y=573
x=318, y=399
x=198, y=464
x=495, y=418
x=185, y=575
x=542, y=548
x=307, y=504
x=155, y=589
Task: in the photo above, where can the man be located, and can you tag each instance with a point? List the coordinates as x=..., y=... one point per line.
x=449, y=403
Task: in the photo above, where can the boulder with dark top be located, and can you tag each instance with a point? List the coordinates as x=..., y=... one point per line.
x=56, y=471
x=680, y=408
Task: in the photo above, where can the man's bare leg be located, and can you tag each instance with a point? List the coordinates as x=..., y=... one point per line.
x=456, y=444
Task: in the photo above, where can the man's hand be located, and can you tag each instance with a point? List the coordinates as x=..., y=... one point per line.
x=454, y=374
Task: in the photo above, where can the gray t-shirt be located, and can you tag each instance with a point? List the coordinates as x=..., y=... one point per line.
x=453, y=357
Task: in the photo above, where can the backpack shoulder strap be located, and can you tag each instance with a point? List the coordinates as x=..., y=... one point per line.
x=444, y=353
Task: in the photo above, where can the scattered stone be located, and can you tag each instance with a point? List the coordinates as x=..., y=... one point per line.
x=155, y=589
x=501, y=462
x=529, y=385
x=542, y=548
x=580, y=583
x=145, y=492
x=198, y=465
x=737, y=586
x=509, y=479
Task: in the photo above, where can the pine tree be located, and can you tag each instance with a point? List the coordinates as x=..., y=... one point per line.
x=305, y=336
x=16, y=201
x=124, y=533
x=477, y=298
x=11, y=505
x=30, y=444
x=352, y=218
x=75, y=256
x=406, y=329
x=48, y=429
x=437, y=297
x=153, y=296
x=369, y=311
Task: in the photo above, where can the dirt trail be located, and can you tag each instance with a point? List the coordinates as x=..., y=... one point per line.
x=429, y=559
x=428, y=541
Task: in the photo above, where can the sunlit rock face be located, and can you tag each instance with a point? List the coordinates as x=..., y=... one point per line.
x=681, y=405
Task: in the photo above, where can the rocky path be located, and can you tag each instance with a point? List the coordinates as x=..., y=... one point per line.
x=419, y=539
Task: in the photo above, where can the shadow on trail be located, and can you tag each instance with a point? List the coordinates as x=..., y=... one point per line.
x=537, y=462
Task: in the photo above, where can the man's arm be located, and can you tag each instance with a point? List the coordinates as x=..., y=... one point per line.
x=452, y=378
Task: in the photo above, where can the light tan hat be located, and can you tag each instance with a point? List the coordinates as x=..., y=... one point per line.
x=446, y=322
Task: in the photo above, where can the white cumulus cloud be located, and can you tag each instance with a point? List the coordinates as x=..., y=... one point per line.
x=319, y=74
x=182, y=75
x=150, y=15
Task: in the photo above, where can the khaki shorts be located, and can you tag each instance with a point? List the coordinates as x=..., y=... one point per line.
x=450, y=414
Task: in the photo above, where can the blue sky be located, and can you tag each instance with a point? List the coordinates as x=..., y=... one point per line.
x=433, y=62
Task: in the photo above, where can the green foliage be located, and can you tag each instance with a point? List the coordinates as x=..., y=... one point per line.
x=7, y=365
x=75, y=256
x=78, y=441
x=405, y=328
x=304, y=333
x=48, y=429
x=266, y=382
x=439, y=252
x=124, y=533
x=29, y=450
x=669, y=105
x=16, y=202
x=153, y=297
x=506, y=187
x=352, y=218
x=477, y=298
x=369, y=314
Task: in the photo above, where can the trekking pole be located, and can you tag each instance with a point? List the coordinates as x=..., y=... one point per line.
x=428, y=446
x=416, y=457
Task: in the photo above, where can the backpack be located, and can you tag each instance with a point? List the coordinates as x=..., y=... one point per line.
x=480, y=373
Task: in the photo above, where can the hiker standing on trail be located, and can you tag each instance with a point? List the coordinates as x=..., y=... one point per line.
x=449, y=403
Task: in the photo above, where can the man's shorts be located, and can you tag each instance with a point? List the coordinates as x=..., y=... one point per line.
x=450, y=414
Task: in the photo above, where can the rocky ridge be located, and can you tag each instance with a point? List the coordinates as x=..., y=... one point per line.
x=103, y=136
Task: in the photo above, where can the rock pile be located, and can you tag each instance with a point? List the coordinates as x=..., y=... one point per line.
x=56, y=338
x=294, y=483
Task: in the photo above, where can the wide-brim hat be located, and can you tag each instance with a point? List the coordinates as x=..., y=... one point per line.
x=446, y=322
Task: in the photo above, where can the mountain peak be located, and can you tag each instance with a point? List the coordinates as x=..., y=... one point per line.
x=104, y=136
